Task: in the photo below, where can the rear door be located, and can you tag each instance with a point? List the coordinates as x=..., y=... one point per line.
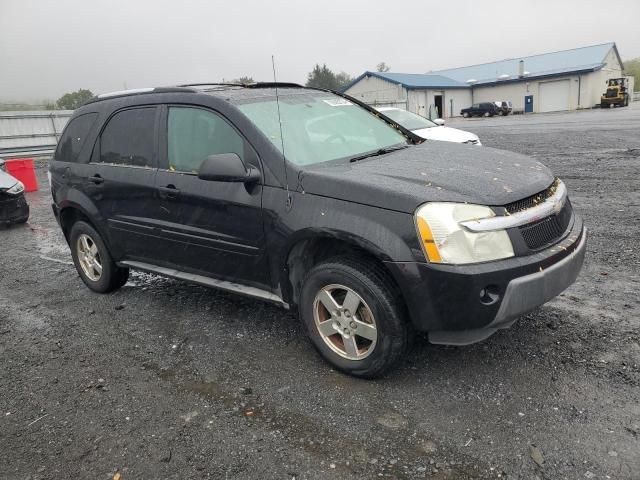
x=120, y=180
x=211, y=228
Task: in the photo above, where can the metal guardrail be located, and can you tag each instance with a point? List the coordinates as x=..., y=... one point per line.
x=31, y=133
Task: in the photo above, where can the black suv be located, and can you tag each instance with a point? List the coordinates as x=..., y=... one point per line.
x=311, y=200
x=485, y=109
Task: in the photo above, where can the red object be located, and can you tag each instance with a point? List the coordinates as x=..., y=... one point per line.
x=24, y=171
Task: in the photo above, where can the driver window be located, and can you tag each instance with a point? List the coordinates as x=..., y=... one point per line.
x=194, y=134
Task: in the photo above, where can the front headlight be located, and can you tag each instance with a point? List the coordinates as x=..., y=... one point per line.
x=444, y=240
x=16, y=189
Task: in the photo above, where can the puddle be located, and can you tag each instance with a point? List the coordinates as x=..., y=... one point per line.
x=50, y=243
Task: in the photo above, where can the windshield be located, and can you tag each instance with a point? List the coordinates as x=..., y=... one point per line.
x=408, y=120
x=319, y=127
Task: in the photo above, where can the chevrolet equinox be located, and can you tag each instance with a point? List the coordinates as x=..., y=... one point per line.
x=314, y=201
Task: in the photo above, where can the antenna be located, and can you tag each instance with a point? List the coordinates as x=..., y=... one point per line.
x=284, y=160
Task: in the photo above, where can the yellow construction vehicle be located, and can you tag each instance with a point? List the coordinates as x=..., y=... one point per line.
x=617, y=93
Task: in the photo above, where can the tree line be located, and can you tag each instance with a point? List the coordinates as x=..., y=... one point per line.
x=321, y=76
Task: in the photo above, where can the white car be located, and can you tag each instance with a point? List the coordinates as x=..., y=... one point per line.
x=425, y=128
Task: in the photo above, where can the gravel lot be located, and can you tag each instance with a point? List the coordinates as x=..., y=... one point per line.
x=167, y=380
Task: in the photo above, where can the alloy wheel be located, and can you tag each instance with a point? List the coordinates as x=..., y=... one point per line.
x=89, y=257
x=345, y=322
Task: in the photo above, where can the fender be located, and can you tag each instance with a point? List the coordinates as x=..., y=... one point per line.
x=387, y=235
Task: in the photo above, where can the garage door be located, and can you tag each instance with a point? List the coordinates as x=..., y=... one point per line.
x=554, y=96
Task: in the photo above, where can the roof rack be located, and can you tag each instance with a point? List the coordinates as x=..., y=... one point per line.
x=139, y=91
x=213, y=84
x=245, y=85
x=188, y=87
x=275, y=84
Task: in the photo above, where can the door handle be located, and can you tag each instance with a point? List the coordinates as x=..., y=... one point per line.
x=96, y=179
x=170, y=191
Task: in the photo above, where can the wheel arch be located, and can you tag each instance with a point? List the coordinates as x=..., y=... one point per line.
x=311, y=248
x=81, y=209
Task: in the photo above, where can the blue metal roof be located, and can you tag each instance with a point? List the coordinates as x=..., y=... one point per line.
x=576, y=60
x=547, y=64
x=411, y=80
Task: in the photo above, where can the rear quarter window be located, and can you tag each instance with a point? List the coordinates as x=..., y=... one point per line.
x=74, y=137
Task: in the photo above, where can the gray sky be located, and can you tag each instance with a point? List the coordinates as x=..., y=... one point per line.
x=51, y=47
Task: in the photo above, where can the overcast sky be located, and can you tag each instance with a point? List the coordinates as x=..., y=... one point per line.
x=49, y=47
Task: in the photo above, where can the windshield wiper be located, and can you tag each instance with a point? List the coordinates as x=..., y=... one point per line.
x=375, y=153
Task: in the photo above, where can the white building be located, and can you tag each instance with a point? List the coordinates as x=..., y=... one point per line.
x=549, y=82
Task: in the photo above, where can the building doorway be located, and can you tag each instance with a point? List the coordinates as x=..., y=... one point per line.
x=438, y=100
x=528, y=104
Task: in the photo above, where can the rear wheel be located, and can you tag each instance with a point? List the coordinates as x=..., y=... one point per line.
x=92, y=260
x=487, y=114
x=354, y=316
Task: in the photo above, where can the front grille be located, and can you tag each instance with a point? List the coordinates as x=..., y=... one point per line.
x=539, y=234
x=612, y=92
x=533, y=200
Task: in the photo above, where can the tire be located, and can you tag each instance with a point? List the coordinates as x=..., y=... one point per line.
x=379, y=305
x=465, y=114
x=111, y=277
x=487, y=114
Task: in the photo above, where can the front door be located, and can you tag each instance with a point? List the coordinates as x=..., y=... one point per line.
x=211, y=228
x=528, y=104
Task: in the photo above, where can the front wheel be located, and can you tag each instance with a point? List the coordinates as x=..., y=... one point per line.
x=487, y=114
x=92, y=260
x=354, y=316
x=465, y=115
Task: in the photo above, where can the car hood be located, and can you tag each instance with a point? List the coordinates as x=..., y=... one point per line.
x=432, y=171
x=445, y=134
x=6, y=180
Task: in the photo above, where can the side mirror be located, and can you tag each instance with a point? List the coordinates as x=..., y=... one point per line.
x=227, y=167
x=438, y=121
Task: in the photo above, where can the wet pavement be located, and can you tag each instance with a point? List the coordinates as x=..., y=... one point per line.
x=163, y=379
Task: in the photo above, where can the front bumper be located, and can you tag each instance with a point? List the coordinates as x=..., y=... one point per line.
x=13, y=208
x=459, y=305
